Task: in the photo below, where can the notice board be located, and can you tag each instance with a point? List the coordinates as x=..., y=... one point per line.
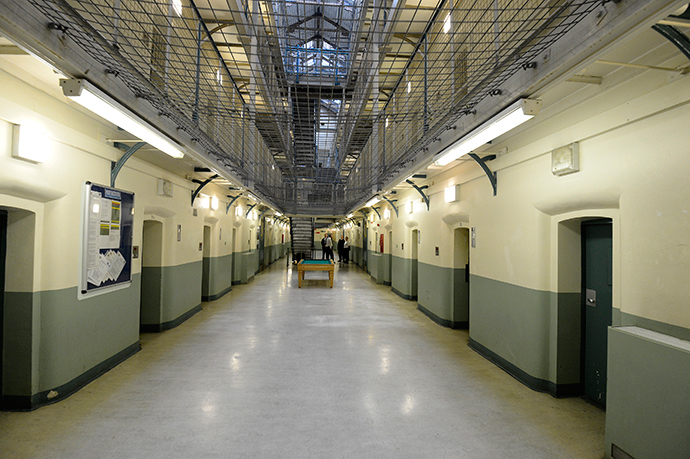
x=106, y=239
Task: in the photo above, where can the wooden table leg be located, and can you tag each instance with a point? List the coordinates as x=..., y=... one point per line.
x=330, y=277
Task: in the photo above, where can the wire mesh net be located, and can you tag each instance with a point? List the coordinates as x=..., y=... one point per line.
x=314, y=102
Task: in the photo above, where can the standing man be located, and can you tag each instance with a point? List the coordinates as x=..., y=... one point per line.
x=324, y=250
x=329, y=247
x=341, y=248
x=346, y=250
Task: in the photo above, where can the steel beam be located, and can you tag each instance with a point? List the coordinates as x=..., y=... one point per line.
x=233, y=199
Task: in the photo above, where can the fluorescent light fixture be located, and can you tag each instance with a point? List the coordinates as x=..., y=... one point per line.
x=511, y=117
x=386, y=121
x=409, y=86
x=29, y=142
x=371, y=202
x=91, y=98
x=446, y=24
x=219, y=77
x=278, y=214
x=214, y=203
x=350, y=215
x=452, y=193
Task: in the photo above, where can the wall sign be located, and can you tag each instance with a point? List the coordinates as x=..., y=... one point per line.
x=107, y=239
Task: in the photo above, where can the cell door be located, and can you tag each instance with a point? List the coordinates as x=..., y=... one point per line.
x=3, y=254
x=597, y=274
x=413, y=264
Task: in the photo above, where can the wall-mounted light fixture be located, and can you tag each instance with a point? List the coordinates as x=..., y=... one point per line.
x=91, y=98
x=238, y=211
x=29, y=142
x=214, y=203
x=410, y=207
x=510, y=118
x=452, y=193
x=387, y=214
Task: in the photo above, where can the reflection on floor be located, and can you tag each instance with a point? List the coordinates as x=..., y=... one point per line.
x=273, y=371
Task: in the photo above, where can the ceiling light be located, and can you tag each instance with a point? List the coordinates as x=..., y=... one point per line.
x=214, y=203
x=91, y=98
x=446, y=24
x=513, y=116
x=373, y=201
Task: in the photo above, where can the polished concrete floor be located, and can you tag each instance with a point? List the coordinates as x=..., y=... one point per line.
x=273, y=371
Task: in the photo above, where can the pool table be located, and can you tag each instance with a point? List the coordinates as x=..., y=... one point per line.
x=314, y=265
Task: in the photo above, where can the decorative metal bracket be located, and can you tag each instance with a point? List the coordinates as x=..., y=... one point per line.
x=487, y=171
x=249, y=210
x=376, y=209
x=262, y=213
x=675, y=36
x=392, y=205
x=234, y=198
x=419, y=190
x=116, y=166
x=196, y=192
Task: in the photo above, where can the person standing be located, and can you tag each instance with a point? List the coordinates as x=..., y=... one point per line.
x=324, y=250
x=341, y=249
x=329, y=247
x=346, y=250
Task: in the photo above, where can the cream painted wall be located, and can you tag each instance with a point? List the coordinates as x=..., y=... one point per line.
x=634, y=158
x=53, y=190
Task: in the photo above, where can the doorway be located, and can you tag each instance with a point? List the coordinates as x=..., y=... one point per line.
x=597, y=288
x=151, y=277
x=390, y=258
x=3, y=254
x=461, y=278
x=414, y=249
x=206, y=265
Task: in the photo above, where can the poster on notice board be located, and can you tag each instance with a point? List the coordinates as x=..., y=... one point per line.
x=107, y=239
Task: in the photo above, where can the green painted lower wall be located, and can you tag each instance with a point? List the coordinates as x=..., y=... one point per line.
x=180, y=290
x=435, y=292
x=218, y=277
x=379, y=267
x=401, y=276
x=76, y=336
x=648, y=395
x=513, y=322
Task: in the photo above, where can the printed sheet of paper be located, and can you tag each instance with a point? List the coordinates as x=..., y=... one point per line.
x=98, y=275
x=93, y=232
x=117, y=264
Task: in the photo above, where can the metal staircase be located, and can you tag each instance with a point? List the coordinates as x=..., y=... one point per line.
x=302, y=235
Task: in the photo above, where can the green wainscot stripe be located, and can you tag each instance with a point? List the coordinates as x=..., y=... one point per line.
x=180, y=290
x=76, y=335
x=513, y=322
x=219, y=276
x=47, y=397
